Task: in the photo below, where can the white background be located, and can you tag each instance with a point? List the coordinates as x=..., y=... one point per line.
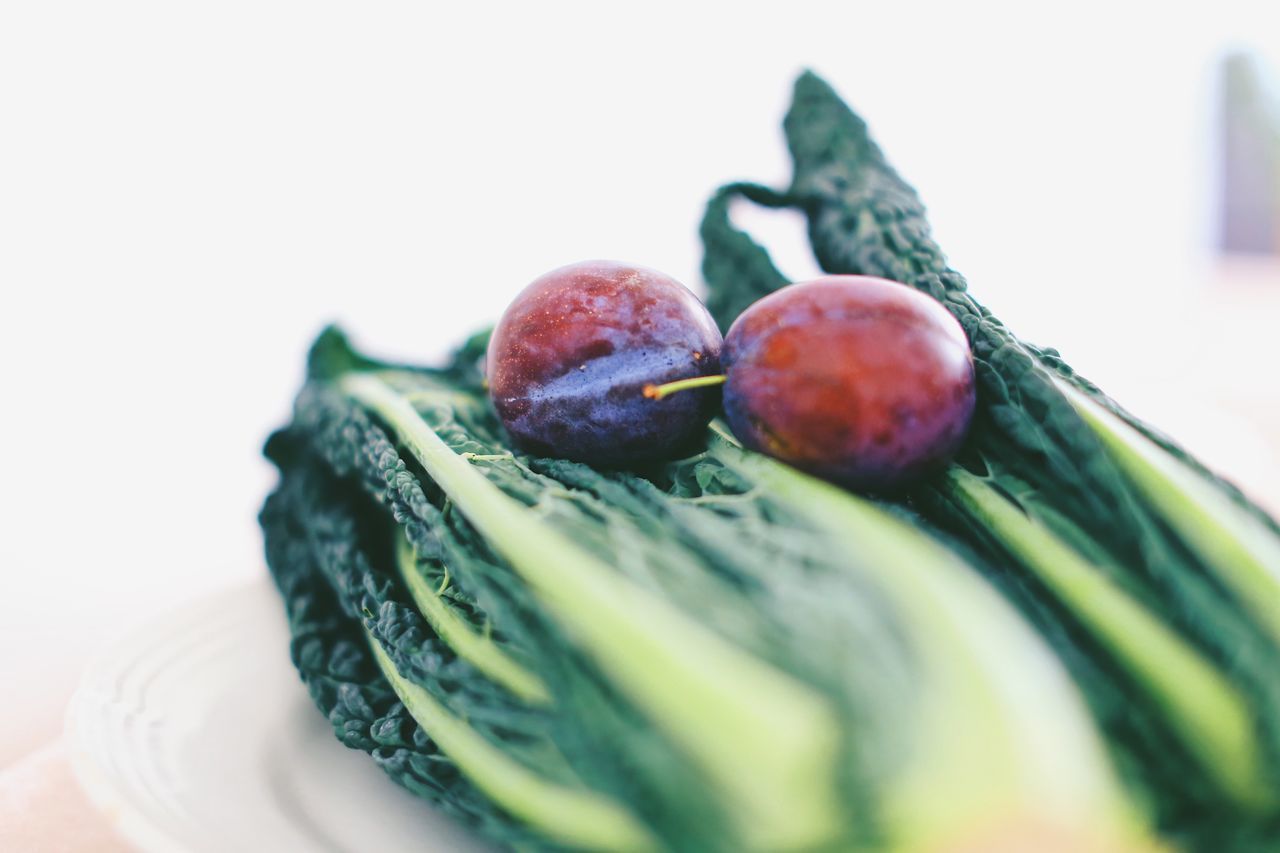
x=188, y=191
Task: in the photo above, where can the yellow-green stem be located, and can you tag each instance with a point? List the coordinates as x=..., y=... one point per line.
x=657, y=392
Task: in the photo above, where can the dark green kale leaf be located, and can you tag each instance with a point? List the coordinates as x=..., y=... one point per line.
x=331, y=653
x=842, y=615
x=1060, y=474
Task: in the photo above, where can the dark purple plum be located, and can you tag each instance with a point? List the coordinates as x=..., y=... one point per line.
x=569, y=362
x=858, y=380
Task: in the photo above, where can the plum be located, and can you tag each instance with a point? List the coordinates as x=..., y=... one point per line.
x=859, y=380
x=569, y=362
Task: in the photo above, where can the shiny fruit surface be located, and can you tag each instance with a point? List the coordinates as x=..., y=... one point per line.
x=569, y=361
x=858, y=380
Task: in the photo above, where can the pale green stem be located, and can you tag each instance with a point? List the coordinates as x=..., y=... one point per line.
x=478, y=650
x=1237, y=547
x=575, y=817
x=1211, y=716
x=1000, y=735
x=768, y=742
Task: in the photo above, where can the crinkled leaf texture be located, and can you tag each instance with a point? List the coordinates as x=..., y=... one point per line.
x=1148, y=530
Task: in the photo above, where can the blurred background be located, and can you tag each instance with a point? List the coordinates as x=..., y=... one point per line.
x=189, y=191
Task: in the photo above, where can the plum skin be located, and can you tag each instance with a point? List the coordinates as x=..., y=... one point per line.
x=858, y=380
x=568, y=363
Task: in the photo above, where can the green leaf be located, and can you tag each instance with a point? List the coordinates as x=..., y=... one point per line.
x=995, y=696
x=1195, y=552
x=1238, y=547
x=1211, y=714
x=479, y=650
x=767, y=740
x=574, y=817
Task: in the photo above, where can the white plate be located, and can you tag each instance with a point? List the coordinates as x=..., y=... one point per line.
x=196, y=734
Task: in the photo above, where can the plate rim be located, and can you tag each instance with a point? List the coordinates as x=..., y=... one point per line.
x=110, y=799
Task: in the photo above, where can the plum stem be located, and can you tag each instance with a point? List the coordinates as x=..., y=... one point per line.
x=657, y=392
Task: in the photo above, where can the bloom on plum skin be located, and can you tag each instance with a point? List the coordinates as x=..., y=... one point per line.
x=568, y=363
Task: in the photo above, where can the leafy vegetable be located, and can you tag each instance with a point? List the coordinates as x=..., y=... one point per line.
x=747, y=725
x=732, y=655
x=477, y=649
x=1155, y=581
x=1209, y=711
x=988, y=673
x=1227, y=537
x=722, y=653
x=575, y=817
